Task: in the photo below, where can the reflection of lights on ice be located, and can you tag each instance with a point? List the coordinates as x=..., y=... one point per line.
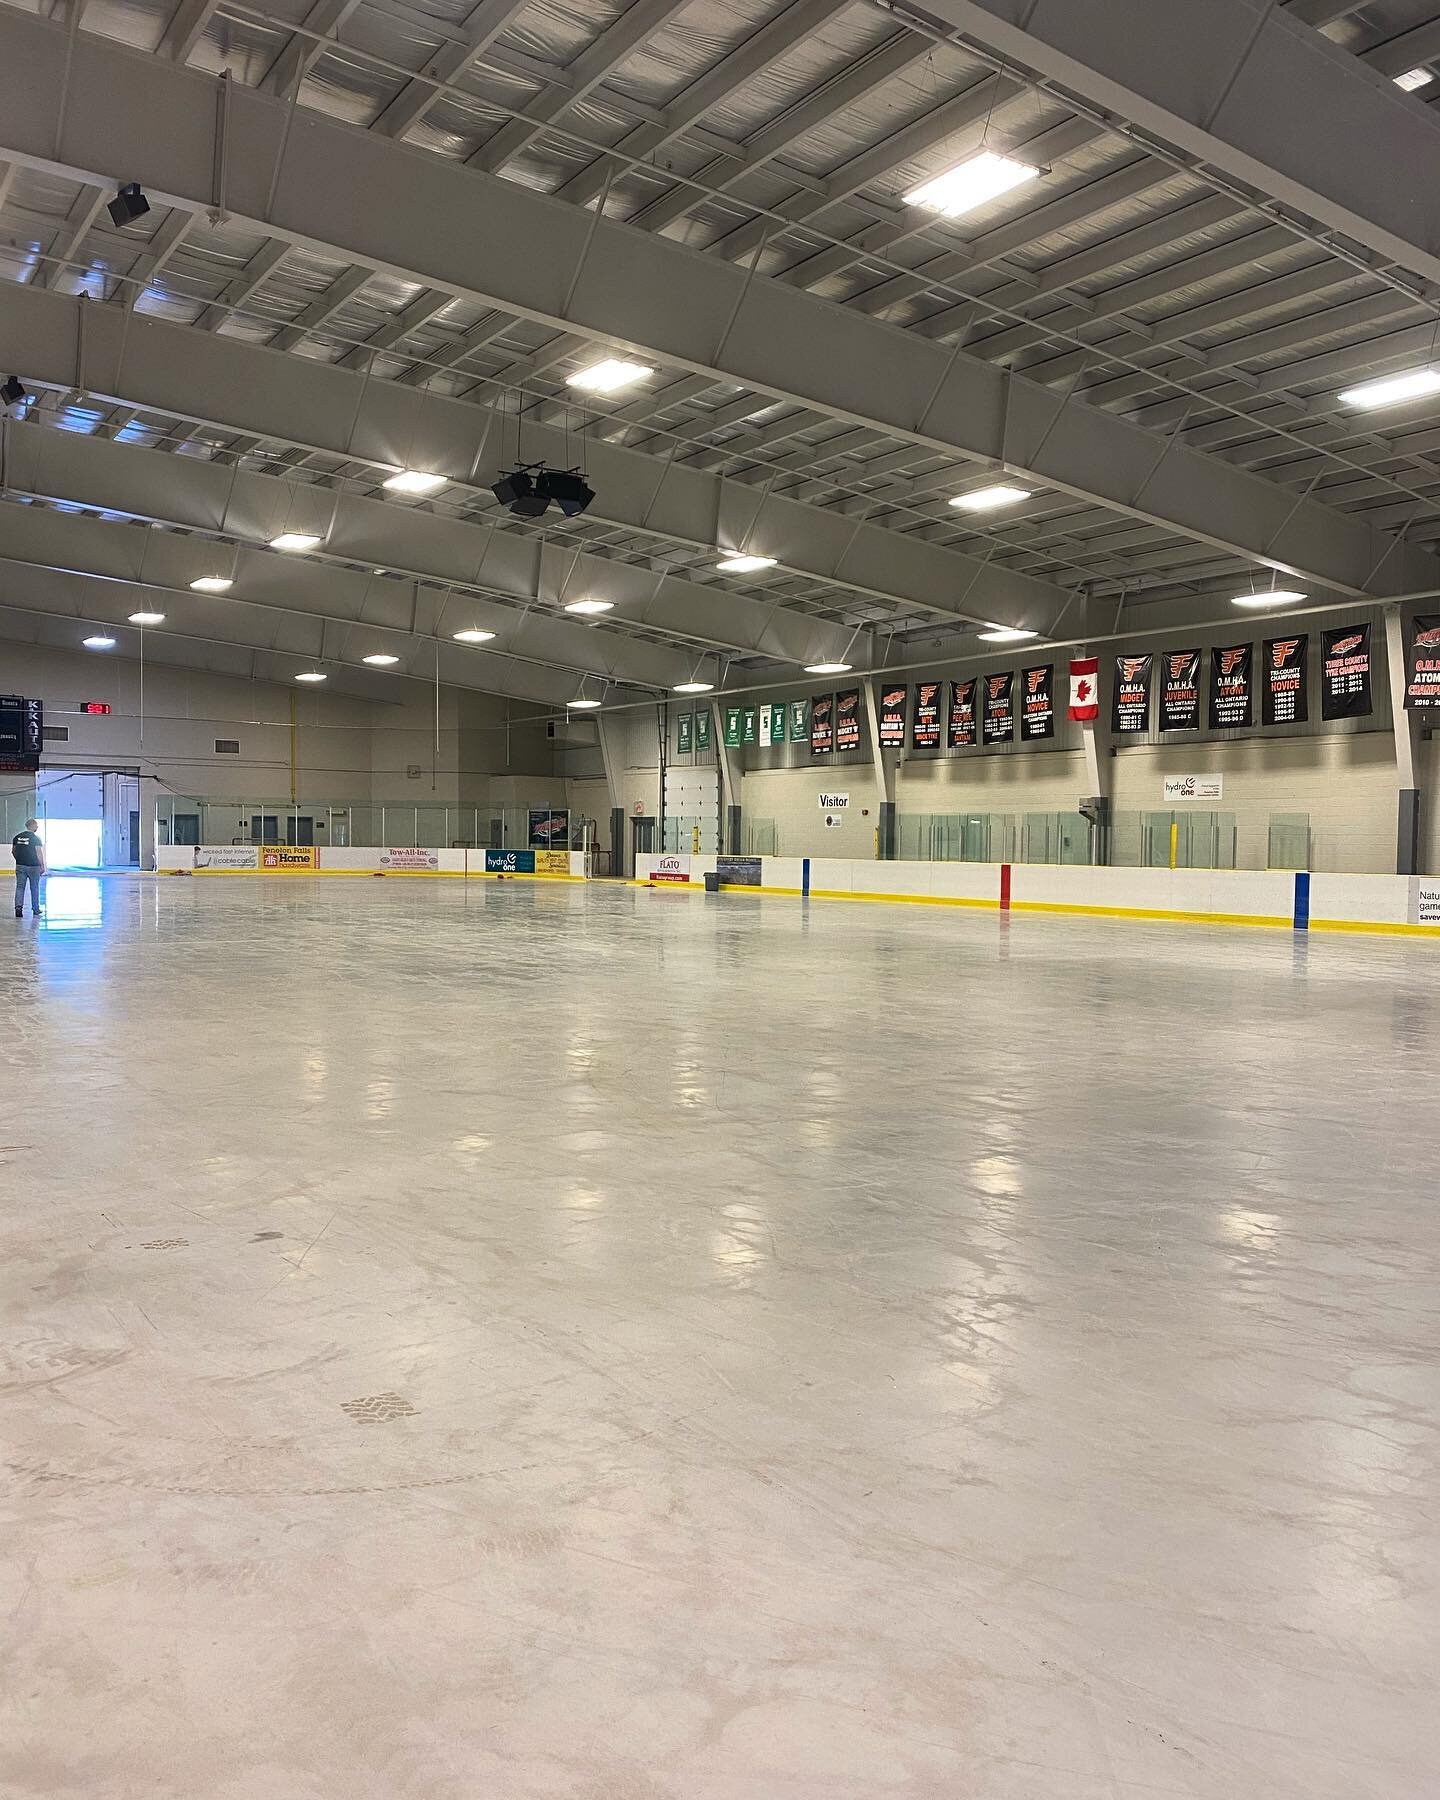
x=72, y=902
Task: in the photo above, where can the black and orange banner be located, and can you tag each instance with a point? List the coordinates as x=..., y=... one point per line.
x=1422, y=671
x=1231, y=684
x=822, y=725
x=999, y=725
x=962, y=714
x=1037, y=702
x=1285, y=695
x=1180, y=690
x=925, y=730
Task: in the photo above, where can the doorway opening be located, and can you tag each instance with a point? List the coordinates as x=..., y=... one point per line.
x=89, y=819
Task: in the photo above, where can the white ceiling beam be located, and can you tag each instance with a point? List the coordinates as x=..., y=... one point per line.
x=607, y=281
x=231, y=385
x=1246, y=89
x=521, y=573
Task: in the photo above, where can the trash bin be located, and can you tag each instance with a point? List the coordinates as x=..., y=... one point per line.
x=712, y=881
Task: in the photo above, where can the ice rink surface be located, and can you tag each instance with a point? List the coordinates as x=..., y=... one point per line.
x=494, y=1342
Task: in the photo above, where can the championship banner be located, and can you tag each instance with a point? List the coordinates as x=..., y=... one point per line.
x=822, y=732
x=999, y=725
x=847, y=719
x=765, y=725
x=684, y=734
x=1230, y=684
x=893, y=701
x=1180, y=690
x=732, y=727
x=1130, y=700
x=925, y=731
x=799, y=721
x=1285, y=697
x=702, y=729
x=777, y=724
x=962, y=714
x=1037, y=702
x=750, y=725
x=1084, y=687
x=1345, y=673
x=1422, y=675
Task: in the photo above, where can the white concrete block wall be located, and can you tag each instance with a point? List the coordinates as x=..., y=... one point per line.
x=1345, y=783
x=791, y=798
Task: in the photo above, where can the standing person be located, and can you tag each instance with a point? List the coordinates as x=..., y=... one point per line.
x=29, y=852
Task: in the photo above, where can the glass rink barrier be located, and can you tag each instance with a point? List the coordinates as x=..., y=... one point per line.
x=539, y=825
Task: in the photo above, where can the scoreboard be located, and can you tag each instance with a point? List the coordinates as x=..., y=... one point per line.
x=22, y=733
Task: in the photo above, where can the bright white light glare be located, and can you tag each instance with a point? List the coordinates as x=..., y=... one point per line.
x=694, y=687
x=99, y=642
x=294, y=540
x=413, y=481
x=381, y=660
x=1006, y=634
x=971, y=183
x=827, y=668
x=473, y=636
x=605, y=377
x=310, y=675
x=986, y=498
x=212, y=584
x=1414, y=78
x=589, y=705
x=589, y=607
x=1274, y=597
x=744, y=565
x=147, y=618
x=1411, y=386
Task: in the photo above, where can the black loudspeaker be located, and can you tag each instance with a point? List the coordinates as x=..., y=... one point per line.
x=128, y=204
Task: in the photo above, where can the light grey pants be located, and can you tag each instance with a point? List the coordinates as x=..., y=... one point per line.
x=22, y=876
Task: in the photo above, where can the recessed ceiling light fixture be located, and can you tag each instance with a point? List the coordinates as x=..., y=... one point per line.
x=1414, y=78
x=1272, y=597
x=99, y=642
x=212, y=584
x=609, y=376
x=147, y=618
x=473, y=635
x=830, y=668
x=382, y=659
x=985, y=499
x=971, y=183
x=1006, y=634
x=583, y=701
x=413, y=481
x=744, y=565
x=1415, y=384
x=589, y=608
x=310, y=675
x=694, y=687
x=295, y=540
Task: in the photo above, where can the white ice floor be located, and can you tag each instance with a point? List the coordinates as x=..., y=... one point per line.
x=844, y=1354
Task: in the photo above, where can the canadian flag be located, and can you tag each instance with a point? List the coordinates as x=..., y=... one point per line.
x=1085, y=687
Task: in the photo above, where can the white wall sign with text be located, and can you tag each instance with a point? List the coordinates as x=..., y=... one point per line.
x=671, y=868
x=1194, y=787
x=833, y=803
x=1425, y=904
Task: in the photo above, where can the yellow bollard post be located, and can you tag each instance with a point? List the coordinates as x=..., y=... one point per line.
x=1174, y=841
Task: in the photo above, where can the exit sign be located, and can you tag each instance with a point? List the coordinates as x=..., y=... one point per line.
x=94, y=706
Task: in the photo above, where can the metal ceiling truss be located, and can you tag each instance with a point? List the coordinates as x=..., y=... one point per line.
x=586, y=275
